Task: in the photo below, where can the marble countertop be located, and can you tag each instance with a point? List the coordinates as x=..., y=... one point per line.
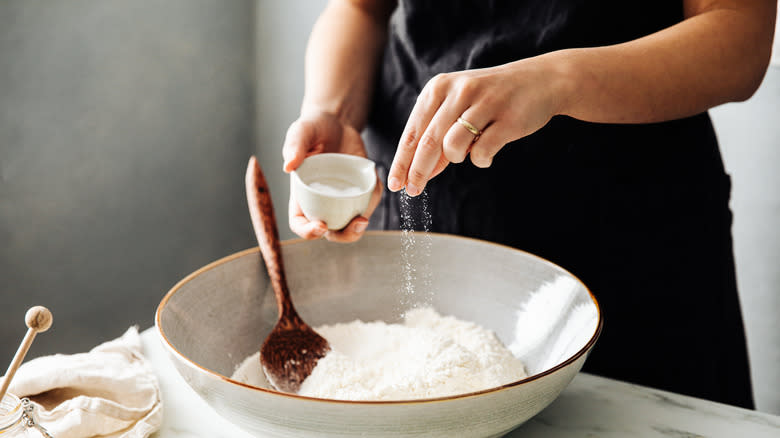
x=590, y=406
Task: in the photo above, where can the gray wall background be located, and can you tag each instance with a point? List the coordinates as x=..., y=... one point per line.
x=124, y=133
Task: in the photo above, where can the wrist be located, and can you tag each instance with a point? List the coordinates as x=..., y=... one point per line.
x=341, y=112
x=310, y=110
x=565, y=76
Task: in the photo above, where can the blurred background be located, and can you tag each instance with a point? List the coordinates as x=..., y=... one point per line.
x=125, y=128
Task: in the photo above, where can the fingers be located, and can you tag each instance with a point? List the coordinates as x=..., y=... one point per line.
x=306, y=137
x=459, y=140
x=440, y=166
x=302, y=226
x=297, y=143
x=309, y=230
x=432, y=137
x=501, y=104
x=351, y=233
x=488, y=144
x=428, y=153
x=416, y=132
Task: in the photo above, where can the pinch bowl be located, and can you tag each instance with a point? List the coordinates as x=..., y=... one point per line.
x=335, y=209
x=220, y=314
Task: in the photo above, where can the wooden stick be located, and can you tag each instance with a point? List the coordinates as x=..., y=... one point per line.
x=38, y=320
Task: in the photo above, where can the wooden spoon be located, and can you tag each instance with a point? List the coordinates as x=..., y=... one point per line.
x=38, y=320
x=292, y=349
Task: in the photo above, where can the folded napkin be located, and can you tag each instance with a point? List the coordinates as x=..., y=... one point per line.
x=111, y=391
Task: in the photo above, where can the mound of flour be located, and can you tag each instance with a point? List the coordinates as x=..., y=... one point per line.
x=428, y=356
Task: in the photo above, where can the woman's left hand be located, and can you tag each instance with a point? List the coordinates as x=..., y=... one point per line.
x=502, y=104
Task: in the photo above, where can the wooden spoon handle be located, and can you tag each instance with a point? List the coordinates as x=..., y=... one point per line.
x=38, y=320
x=261, y=211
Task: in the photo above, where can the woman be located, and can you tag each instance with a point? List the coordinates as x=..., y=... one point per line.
x=588, y=142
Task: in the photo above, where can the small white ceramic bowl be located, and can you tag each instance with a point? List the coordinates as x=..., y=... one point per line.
x=220, y=314
x=333, y=188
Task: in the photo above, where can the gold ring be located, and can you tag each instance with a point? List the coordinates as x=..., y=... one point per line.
x=471, y=128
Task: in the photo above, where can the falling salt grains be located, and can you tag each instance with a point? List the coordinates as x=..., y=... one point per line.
x=415, y=251
x=425, y=251
x=407, y=246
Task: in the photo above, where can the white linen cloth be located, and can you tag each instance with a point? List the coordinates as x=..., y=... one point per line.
x=111, y=391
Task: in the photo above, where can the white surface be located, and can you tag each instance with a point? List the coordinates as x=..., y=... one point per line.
x=590, y=406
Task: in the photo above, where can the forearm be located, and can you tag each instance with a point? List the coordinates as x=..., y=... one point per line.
x=342, y=58
x=716, y=56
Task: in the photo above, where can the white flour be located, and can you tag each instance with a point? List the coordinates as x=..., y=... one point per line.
x=428, y=356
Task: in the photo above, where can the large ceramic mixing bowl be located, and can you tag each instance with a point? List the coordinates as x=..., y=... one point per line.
x=214, y=318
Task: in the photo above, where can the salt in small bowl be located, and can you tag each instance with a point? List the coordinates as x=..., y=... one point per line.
x=333, y=188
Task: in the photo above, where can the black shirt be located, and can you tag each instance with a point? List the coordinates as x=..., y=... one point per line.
x=638, y=212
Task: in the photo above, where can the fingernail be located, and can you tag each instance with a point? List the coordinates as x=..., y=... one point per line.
x=360, y=227
x=394, y=184
x=412, y=190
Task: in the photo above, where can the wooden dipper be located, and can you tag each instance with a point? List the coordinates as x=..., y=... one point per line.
x=292, y=349
x=38, y=320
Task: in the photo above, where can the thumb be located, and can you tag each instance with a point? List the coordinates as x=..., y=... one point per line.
x=298, y=142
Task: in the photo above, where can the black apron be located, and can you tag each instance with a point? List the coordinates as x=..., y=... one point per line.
x=640, y=213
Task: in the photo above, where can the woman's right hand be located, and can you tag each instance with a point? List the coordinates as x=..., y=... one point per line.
x=314, y=134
